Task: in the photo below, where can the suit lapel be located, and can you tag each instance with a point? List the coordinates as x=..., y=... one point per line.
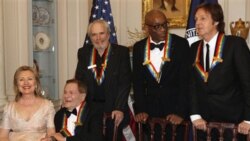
x=99, y=78
x=167, y=51
x=220, y=44
x=218, y=54
x=198, y=63
x=167, y=64
x=147, y=63
x=201, y=57
x=168, y=56
x=90, y=74
x=59, y=119
x=110, y=66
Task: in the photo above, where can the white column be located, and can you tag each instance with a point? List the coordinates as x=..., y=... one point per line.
x=2, y=68
x=72, y=24
x=16, y=37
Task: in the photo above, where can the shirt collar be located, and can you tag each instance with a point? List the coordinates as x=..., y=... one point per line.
x=212, y=42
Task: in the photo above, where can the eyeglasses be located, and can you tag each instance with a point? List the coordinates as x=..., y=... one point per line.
x=159, y=26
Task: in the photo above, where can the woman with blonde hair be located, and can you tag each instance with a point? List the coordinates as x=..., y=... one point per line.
x=30, y=117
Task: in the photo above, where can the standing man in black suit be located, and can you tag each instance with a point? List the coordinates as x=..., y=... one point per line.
x=106, y=69
x=70, y=119
x=160, y=72
x=220, y=78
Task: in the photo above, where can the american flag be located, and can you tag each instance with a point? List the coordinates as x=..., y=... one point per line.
x=101, y=9
x=191, y=34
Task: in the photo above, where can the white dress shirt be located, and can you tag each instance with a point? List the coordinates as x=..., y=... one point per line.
x=156, y=56
x=71, y=122
x=212, y=44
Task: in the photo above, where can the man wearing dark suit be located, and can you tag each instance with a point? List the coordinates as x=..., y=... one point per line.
x=70, y=120
x=220, y=73
x=106, y=69
x=160, y=72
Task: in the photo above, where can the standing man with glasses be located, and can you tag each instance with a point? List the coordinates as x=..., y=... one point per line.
x=220, y=74
x=160, y=73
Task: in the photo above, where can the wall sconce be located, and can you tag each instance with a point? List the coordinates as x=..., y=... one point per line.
x=240, y=28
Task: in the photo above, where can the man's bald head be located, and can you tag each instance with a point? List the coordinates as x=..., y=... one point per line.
x=152, y=15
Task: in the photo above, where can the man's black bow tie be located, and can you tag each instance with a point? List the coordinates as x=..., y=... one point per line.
x=153, y=46
x=68, y=113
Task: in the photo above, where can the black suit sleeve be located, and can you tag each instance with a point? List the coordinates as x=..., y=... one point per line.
x=182, y=105
x=80, y=65
x=193, y=101
x=139, y=82
x=242, y=63
x=124, y=80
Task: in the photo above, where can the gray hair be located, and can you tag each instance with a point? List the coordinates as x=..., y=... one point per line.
x=103, y=22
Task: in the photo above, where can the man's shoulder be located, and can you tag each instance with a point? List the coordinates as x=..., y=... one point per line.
x=60, y=112
x=119, y=47
x=195, y=45
x=177, y=37
x=85, y=107
x=234, y=39
x=142, y=41
x=85, y=47
x=140, y=44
